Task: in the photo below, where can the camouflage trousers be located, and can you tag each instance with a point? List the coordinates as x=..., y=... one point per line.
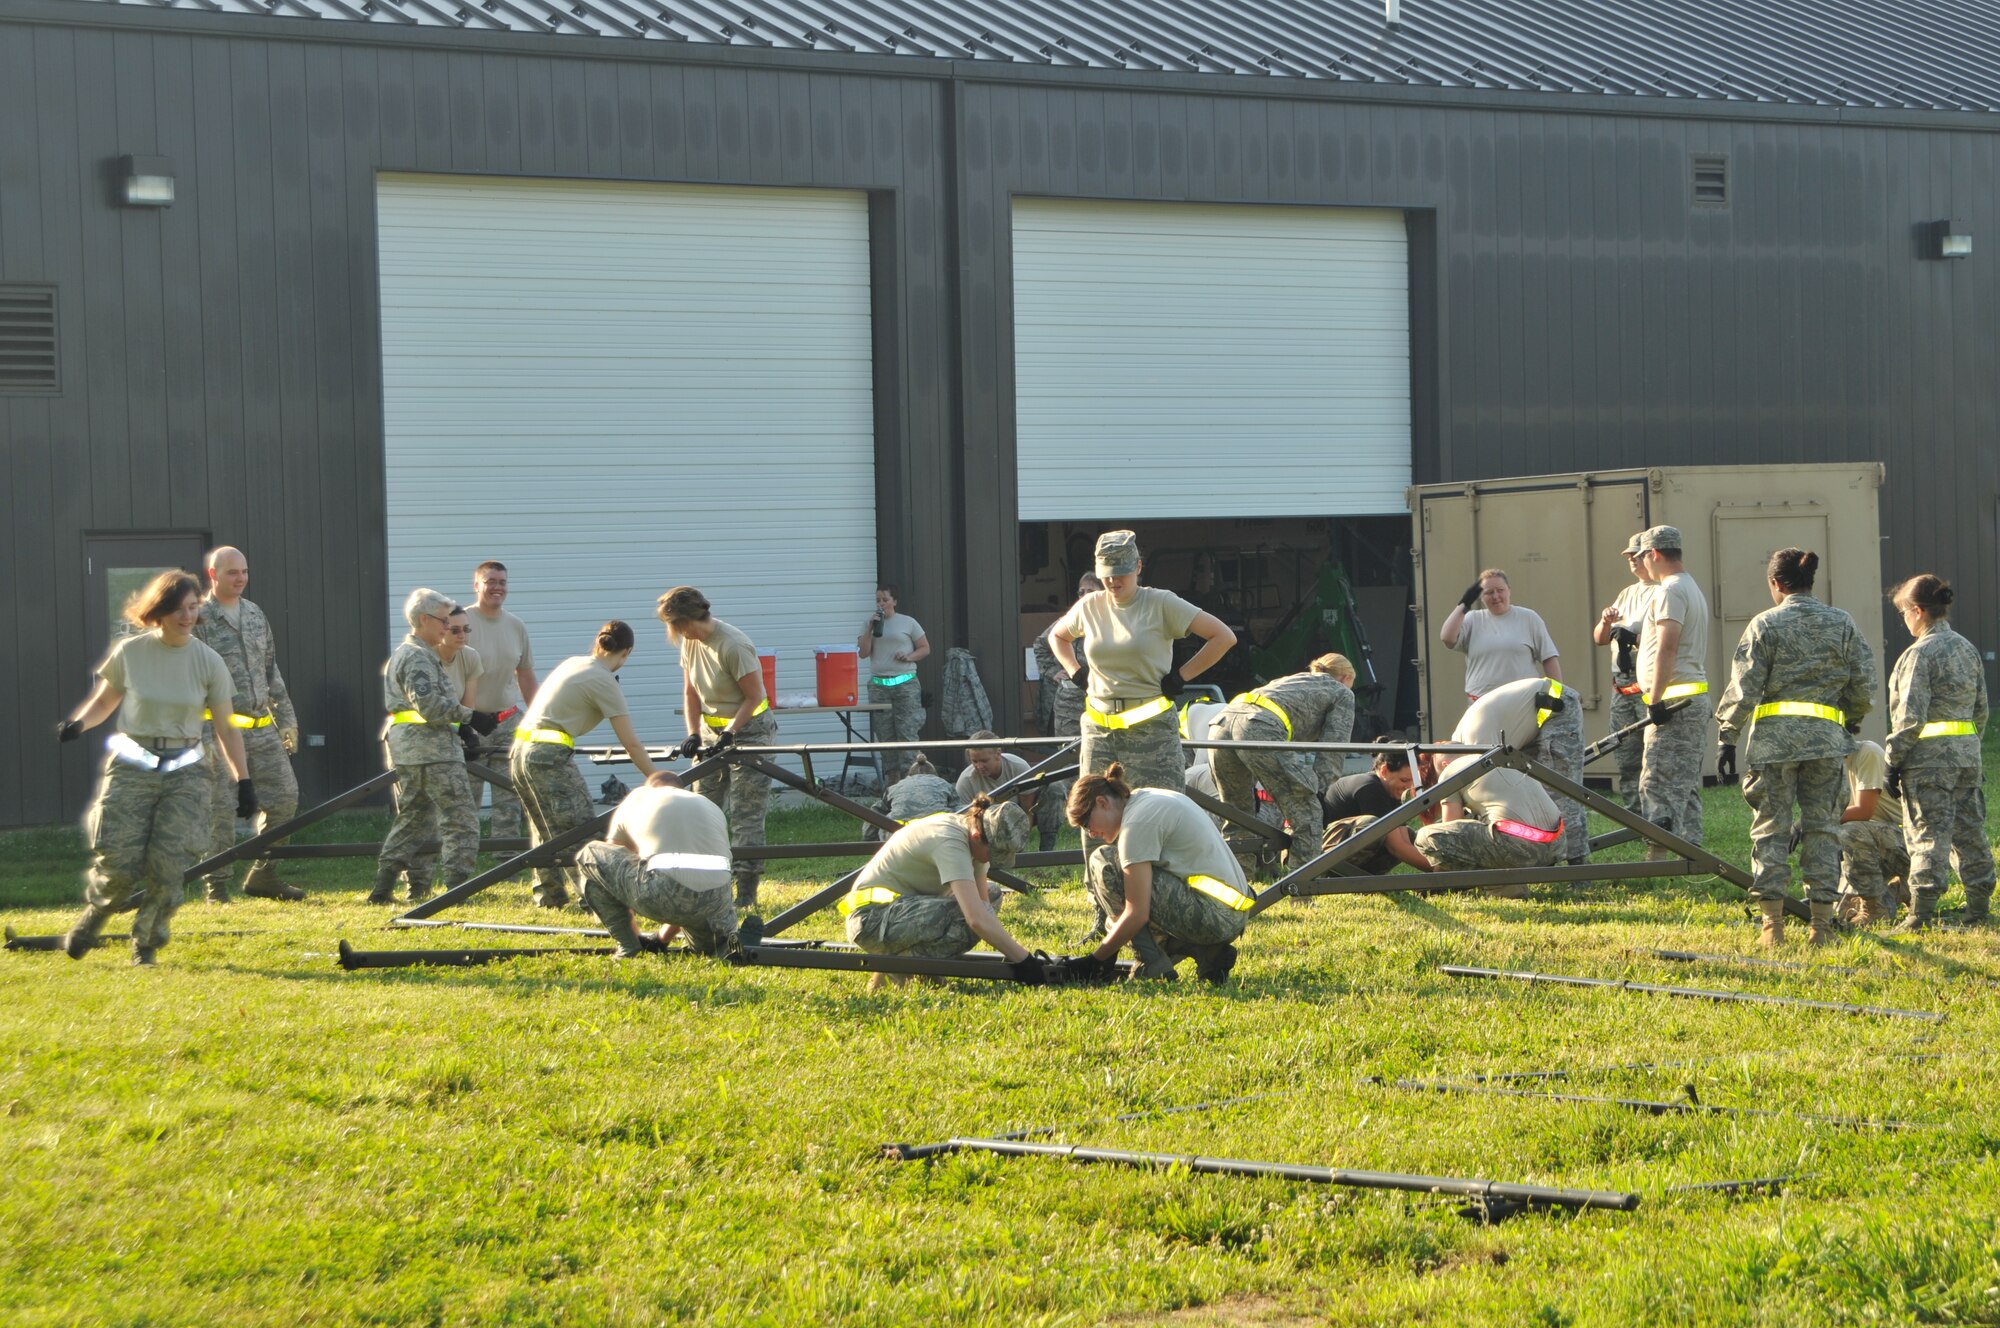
x=555, y=798
x=1872, y=853
x=145, y=830
x=1626, y=710
x=1182, y=919
x=1670, y=772
x=1819, y=789
x=1051, y=818
x=434, y=806
x=616, y=884
x=1150, y=751
x=1289, y=777
x=496, y=750
x=1558, y=745
x=903, y=721
x=277, y=798
x=745, y=796
x=1473, y=845
x=929, y=926
x=1376, y=860
x=1944, y=812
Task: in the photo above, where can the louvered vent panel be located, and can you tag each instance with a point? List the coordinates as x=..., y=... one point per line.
x=1711, y=180
x=28, y=341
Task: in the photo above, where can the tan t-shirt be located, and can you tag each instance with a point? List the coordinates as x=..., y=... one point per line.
x=923, y=858
x=716, y=664
x=1509, y=795
x=1677, y=598
x=503, y=648
x=1131, y=648
x=1503, y=649
x=464, y=670
x=971, y=783
x=1166, y=829
x=671, y=820
x=1868, y=768
x=166, y=687
x=900, y=634
x=1509, y=713
x=577, y=696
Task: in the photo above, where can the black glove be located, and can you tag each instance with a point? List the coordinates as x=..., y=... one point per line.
x=1854, y=727
x=1725, y=763
x=469, y=740
x=1893, y=785
x=1083, y=969
x=1798, y=837
x=1032, y=971
x=1550, y=705
x=723, y=738
x=1658, y=712
x=1080, y=678
x=1172, y=685
x=69, y=730
x=246, y=800
x=689, y=746
x=485, y=721
x=1470, y=597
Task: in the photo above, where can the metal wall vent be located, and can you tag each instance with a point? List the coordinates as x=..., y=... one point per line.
x=28, y=341
x=1711, y=179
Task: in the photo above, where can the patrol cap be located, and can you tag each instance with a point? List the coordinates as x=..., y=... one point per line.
x=1636, y=545
x=1117, y=553
x=1005, y=827
x=1661, y=537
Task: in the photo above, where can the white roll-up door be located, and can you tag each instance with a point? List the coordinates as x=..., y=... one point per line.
x=618, y=388
x=1186, y=360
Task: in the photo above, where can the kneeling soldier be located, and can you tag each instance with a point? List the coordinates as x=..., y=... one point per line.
x=1872, y=851
x=1163, y=876
x=665, y=857
x=1503, y=819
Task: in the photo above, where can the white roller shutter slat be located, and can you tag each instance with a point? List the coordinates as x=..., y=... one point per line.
x=1211, y=360
x=618, y=388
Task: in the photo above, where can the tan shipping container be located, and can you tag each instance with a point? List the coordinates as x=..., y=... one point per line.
x=1561, y=540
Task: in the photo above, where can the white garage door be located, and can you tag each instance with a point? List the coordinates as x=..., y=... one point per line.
x=1181, y=360
x=614, y=389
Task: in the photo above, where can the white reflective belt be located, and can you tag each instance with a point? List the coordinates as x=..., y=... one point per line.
x=687, y=862
x=122, y=748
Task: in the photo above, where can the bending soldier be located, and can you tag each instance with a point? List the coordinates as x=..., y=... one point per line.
x=922, y=792
x=237, y=630
x=1502, y=819
x=1872, y=852
x=1356, y=802
x=665, y=857
x=1314, y=706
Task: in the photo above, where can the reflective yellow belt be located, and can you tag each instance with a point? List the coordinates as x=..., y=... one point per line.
x=896, y=681
x=1125, y=719
x=406, y=717
x=1263, y=702
x=1799, y=710
x=240, y=720
x=861, y=897
x=1541, y=713
x=544, y=735
x=1949, y=728
x=1222, y=893
x=1678, y=690
x=722, y=721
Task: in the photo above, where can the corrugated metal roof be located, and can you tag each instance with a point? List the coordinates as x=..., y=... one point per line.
x=1908, y=54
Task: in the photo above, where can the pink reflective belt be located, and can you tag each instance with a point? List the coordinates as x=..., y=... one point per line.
x=1528, y=832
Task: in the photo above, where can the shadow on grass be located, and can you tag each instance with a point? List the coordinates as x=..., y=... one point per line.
x=511, y=977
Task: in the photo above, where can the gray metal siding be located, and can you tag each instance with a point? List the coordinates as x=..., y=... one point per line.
x=1570, y=310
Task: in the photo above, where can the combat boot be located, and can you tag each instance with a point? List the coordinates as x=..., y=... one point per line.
x=263, y=883
x=1212, y=963
x=1154, y=962
x=746, y=890
x=81, y=938
x=618, y=922
x=420, y=891
x=1873, y=910
x=1772, y=932
x=1921, y=917
x=1978, y=907
x=551, y=896
x=385, y=886
x=1825, y=927
x=217, y=892
x=143, y=956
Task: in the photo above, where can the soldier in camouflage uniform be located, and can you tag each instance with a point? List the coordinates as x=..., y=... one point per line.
x=892, y=644
x=1937, y=705
x=922, y=792
x=237, y=630
x=1801, y=680
x=1872, y=852
x=1314, y=706
x=424, y=749
x=1618, y=627
x=1063, y=702
x=149, y=821
x=1512, y=822
x=666, y=858
x=1131, y=682
x=925, y=891
x=1673, y=667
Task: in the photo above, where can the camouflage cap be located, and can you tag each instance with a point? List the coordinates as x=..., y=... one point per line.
x=1636, y=545
x=1661, y=537
x=1006, y=828
x=1117, y=553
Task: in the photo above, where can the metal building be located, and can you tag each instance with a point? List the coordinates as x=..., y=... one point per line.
x=777, y=296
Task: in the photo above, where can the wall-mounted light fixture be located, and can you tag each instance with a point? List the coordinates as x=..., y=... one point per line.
x=1948, y=241
x=146, y=181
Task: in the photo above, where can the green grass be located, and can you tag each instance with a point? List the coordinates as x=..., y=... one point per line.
x=249, y=1135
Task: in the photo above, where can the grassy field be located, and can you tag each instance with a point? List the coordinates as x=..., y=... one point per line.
x=249, y=1135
